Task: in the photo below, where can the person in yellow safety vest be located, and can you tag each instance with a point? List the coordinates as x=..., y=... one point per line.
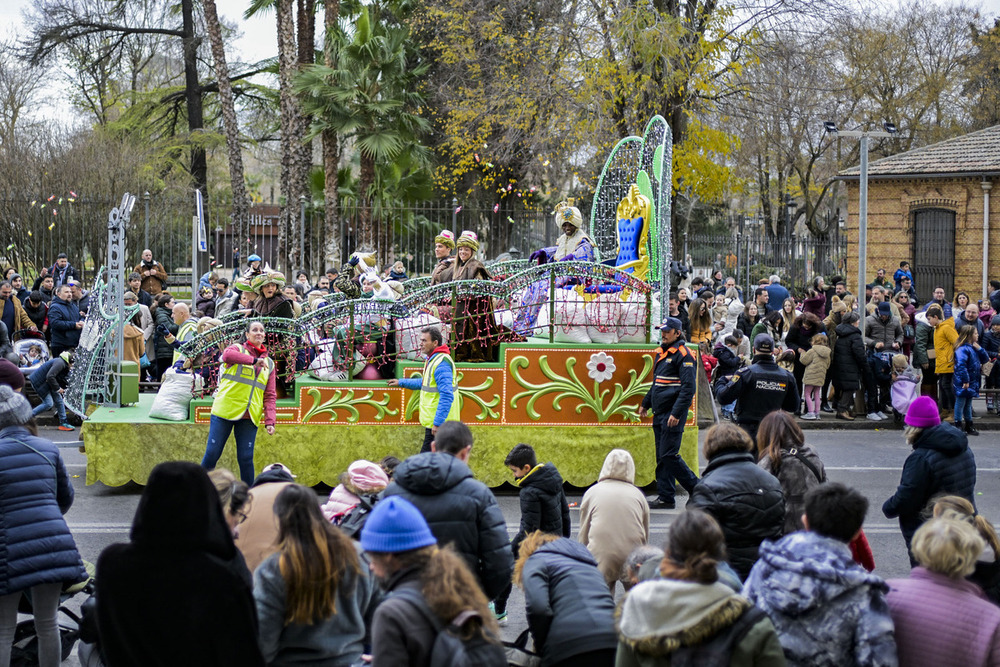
x=436, y=385
x=245, y=396
x=187, y=329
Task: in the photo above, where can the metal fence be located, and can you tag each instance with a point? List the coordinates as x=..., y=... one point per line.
x=38, y=229
x=754, y=256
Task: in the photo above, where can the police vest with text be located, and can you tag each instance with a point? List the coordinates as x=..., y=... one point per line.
x=673, y=382
x=241, y=390
x=430, y=395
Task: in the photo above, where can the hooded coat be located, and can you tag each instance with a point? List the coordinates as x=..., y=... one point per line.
x=968, y=369
x=940, y=463
x=816, y=361
x=663, y=621
x=828, y=610
x=543, y=503
x=614, y=515
x=569, y=608
x=745, y=500
x=179, y=593
x=459, y=510
x=849, y=356
x=36, y=546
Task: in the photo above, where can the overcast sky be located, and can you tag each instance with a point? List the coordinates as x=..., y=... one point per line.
x=259, y=40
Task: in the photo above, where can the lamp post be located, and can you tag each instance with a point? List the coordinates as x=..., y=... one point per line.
x=863, y=135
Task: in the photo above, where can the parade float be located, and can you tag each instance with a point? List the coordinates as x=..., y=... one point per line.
x=568, y=378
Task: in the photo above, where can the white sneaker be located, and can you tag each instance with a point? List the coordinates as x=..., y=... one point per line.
x=809, y=415
x=873, y=417
x=882, y=415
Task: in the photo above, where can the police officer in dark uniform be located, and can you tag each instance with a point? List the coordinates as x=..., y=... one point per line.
x=759, y=389
x=670, y=398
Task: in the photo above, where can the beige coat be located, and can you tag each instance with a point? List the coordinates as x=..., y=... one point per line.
x=816, y=360
x=258, y=536
x=614, y=516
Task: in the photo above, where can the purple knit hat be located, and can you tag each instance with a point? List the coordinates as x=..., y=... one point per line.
x=923, y=413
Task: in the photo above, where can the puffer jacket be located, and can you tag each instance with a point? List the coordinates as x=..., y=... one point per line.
x=887, y=333
x=796, y=478
x=960, y=322
x=63, y=316
x=941, y=462
x=614, y=515
x=665, y=620
x=945, y=338
x=968, y=369
x=543, y=503
x=569, y=608
x=163, y=349
x=828, y=610
x=746, y=501
x=36, y=546
x=459, y=510
x=816, y=361
x=849, y=357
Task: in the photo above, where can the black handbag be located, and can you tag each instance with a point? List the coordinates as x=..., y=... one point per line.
x=518, y=654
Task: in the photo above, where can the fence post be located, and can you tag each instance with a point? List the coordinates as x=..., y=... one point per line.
x=649, y=315
x=552, y=305
x=350, y=346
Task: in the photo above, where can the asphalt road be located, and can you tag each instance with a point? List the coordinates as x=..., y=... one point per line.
x=868, y=460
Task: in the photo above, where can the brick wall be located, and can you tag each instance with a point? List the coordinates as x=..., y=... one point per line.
x=890, y=226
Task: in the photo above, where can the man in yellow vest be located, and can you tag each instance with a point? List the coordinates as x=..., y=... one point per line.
x=188, y=329
x=436, y=385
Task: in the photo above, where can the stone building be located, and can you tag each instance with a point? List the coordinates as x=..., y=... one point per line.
x=932, y=207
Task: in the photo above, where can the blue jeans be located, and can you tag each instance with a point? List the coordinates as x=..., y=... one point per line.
x=669, y=464
x=963, y=409
x=50, y=399
x=218, y=433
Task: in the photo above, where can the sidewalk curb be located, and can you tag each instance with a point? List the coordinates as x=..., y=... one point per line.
x=862, y=424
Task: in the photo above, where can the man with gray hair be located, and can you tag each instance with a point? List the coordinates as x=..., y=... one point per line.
x=642, y=564
x=776, y=293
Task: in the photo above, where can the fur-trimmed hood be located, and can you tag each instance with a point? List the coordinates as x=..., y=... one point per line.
x=660, y=616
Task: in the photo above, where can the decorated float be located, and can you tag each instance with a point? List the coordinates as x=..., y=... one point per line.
x=569, y=346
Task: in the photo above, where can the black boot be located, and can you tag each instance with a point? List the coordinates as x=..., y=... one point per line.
x=825, y=407
x=970, y=429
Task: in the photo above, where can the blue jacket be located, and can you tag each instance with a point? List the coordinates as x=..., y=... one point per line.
x=36, y=546
x=63, y=316
x=898, y=278
x=776, y=295
x=54, y=373
x=941, y=462
x=968, y=369
x=569, y=608
x=828, y=611
x=442, y=377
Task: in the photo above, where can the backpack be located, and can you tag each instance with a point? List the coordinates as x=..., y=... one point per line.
x=719, y=649
x=353, y=521
x=449, y=647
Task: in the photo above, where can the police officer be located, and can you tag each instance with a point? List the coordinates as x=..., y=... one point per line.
x=436, y=385
x=760, y=389
x=670, y=398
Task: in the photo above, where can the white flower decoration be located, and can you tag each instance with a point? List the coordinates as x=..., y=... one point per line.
x=600, y=367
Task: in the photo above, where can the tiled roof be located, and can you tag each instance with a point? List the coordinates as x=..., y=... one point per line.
x=975, y=152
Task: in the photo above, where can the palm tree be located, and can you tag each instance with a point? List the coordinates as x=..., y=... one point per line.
x=241, y=202
x=371, y=98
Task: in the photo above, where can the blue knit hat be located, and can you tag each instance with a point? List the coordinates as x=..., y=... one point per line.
x=395, y=525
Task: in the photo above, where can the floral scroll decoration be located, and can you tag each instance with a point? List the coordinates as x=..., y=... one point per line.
x=486, y=408
x=600, y=369
x=343, y=399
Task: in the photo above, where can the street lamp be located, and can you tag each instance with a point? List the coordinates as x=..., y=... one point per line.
x=863, y=135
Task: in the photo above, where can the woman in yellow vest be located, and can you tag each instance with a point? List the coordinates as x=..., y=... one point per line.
x=245, y=396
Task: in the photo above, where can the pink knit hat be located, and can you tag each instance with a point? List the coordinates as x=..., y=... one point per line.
x=366, y=475
x=923, y=413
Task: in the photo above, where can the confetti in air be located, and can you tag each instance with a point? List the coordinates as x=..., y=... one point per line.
x=496, y=207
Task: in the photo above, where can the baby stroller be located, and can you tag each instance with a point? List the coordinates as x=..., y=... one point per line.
x=23, y=342
x=25, y=649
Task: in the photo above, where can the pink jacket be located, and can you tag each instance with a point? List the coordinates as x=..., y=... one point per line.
x=234, y=354
x=943, y=621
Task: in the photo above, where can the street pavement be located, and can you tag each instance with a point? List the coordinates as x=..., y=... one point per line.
x=868, y=460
